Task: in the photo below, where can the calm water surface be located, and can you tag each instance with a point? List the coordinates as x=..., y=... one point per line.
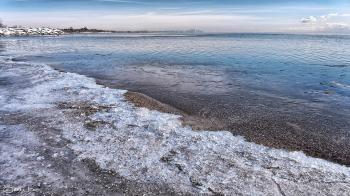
x=315, y=68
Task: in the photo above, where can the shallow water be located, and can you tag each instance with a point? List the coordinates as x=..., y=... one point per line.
x=315, y=68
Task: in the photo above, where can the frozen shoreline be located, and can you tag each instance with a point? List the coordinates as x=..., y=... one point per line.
x=24, y=31
x=145, y=146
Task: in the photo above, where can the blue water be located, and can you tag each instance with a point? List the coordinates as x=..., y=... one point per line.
x=315, y=68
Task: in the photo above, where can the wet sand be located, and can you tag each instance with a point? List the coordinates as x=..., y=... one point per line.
x=271, y=121
x=195, y=122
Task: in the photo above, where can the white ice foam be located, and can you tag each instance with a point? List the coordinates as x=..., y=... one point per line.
x=19, y=166
x=153, y=147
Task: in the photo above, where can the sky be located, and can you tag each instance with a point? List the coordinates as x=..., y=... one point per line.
x=298, y=16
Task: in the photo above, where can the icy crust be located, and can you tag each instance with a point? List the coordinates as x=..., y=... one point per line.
x=153, y=147
x=20, y=164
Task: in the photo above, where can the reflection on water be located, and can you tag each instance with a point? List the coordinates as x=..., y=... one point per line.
x=2, y=46
x=315, y=68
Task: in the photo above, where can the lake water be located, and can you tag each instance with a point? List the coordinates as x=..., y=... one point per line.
x=315, y=68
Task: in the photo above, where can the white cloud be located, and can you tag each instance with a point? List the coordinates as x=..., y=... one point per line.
x=329, y=23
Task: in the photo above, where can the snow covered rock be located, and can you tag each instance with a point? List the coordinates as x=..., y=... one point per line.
x=23, y=31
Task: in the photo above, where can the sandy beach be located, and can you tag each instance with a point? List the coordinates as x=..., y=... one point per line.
x=279, y=123
x=63, y=133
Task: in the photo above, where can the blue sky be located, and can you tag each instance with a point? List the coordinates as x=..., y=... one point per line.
x=321, y=16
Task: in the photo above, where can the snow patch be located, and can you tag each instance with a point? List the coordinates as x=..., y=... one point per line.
x=23, y=31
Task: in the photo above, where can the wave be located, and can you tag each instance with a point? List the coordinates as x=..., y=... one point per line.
x=340, y=85
x=153, y=147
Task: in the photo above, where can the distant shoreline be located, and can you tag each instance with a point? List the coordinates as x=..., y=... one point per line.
x=29, y=31
x=46, y=31
x=86, y=30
